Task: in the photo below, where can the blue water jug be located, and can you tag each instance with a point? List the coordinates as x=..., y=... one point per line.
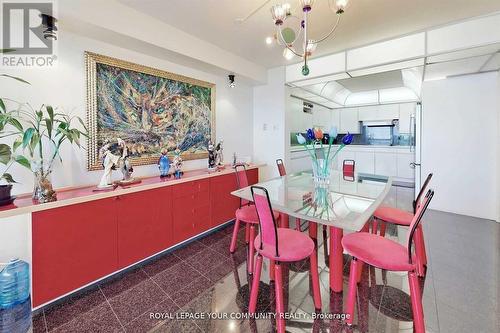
x=16, y=319
x=14, y=283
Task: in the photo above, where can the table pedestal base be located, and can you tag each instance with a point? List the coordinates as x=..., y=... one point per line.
x=336, y=260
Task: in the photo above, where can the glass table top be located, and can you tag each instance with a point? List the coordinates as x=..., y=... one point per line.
x=346, y=203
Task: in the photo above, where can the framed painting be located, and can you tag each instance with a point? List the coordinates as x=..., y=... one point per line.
x=150, y=109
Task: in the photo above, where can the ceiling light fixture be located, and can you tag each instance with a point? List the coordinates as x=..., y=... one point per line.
x=269, y=40
x=288, y=37
x=231, y=81
x=49, y=24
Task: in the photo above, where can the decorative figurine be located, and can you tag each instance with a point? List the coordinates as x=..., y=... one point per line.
x=219, y=157
x=212, y=166
x=164, y=164
x=113, y=156
x=234, y=159
x=177, y=162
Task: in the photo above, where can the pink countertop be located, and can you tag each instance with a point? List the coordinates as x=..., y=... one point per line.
x=23, y=204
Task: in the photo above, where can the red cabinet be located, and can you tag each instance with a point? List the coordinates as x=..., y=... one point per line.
x=144, y=224
x=78, y=244
x=223, y=204
x=191, y=209
x=72, y=246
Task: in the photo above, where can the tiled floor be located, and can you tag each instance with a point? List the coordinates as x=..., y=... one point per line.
x=461, y=291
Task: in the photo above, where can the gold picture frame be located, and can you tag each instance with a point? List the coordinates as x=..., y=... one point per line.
x=92, y=60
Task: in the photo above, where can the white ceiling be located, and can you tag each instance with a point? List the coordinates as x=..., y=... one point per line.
x=365, y=21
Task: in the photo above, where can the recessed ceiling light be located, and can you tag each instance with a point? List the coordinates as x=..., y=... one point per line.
x=269, y=40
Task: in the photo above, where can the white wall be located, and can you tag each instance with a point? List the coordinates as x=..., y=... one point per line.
x=460, y=143
x=64, y=86
x=269, y=122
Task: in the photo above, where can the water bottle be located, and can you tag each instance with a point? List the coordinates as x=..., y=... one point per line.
x=14, y=283
x=16, y=319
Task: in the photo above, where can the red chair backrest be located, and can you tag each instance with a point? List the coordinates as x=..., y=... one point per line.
x=267, y=224
x=241, y=180
x=416, y=202
x=281, y=167
x=348, y=167
x=417, y=220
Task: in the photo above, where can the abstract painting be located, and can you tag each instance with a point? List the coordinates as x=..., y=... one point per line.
x=150, y=109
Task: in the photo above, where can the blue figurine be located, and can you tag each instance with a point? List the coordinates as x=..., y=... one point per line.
x=164, y=164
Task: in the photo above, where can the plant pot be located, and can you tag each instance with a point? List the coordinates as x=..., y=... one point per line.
x=43, y=191
x=5, y=194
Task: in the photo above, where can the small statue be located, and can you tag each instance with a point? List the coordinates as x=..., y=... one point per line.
x=125, y=166
x=219, y=157
x=177, y=162
x=211, y=157
x=164, y=164
x=113, y=156
x=235, y=161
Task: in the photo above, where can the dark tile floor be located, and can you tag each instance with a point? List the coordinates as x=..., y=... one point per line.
x=461, y=291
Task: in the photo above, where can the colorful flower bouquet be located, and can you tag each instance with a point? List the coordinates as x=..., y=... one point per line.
x=321, y=162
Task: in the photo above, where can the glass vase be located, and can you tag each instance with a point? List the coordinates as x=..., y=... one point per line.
x=321, y=173
x=43, y=190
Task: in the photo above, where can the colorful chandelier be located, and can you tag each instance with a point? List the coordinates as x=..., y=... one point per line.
x=298, y=38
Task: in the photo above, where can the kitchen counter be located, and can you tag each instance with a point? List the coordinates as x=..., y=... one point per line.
x=366, y=148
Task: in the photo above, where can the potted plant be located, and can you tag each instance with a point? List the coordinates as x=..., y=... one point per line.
x=9, y=127
x=42, y=137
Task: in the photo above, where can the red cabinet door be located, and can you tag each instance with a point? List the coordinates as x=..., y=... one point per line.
x=183, y=214
x=72, y=246
x=144, y=224
x=253, y=176
x=223, y=204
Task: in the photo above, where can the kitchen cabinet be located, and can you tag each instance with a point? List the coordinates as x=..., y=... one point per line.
x=72, y=246
x=379, y=112
x=335, y=118
x=299, y=161
x=404, y=168
x=365, y=162
x=406, y=111
x=367, y=113
x=349, y=121
x=321, y=117
x=222, y=203
x=144, y=224
x=386, y=164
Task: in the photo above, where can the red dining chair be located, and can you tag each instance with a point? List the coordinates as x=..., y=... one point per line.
x=280, y=245
x=388, y=255
x=281, y=167
x=386, y=214
x=348, y=167
x=245, y=214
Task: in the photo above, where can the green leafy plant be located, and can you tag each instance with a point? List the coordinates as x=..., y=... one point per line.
x=10, y=126
x=46, y=127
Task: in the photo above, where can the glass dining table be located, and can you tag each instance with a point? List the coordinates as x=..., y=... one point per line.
x=347, y=203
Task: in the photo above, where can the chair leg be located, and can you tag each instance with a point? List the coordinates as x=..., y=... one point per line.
x=271, y=270
x=278, y=278
x=383, y=225
x=313, y=230
x=336, y=259
x=360, y=271
x=247, y=233
x=251, y=249
x=374, y=226
x=235, y=236
x=351, y=296
x=254, y=293
x=315, y=280
x=416, y=303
